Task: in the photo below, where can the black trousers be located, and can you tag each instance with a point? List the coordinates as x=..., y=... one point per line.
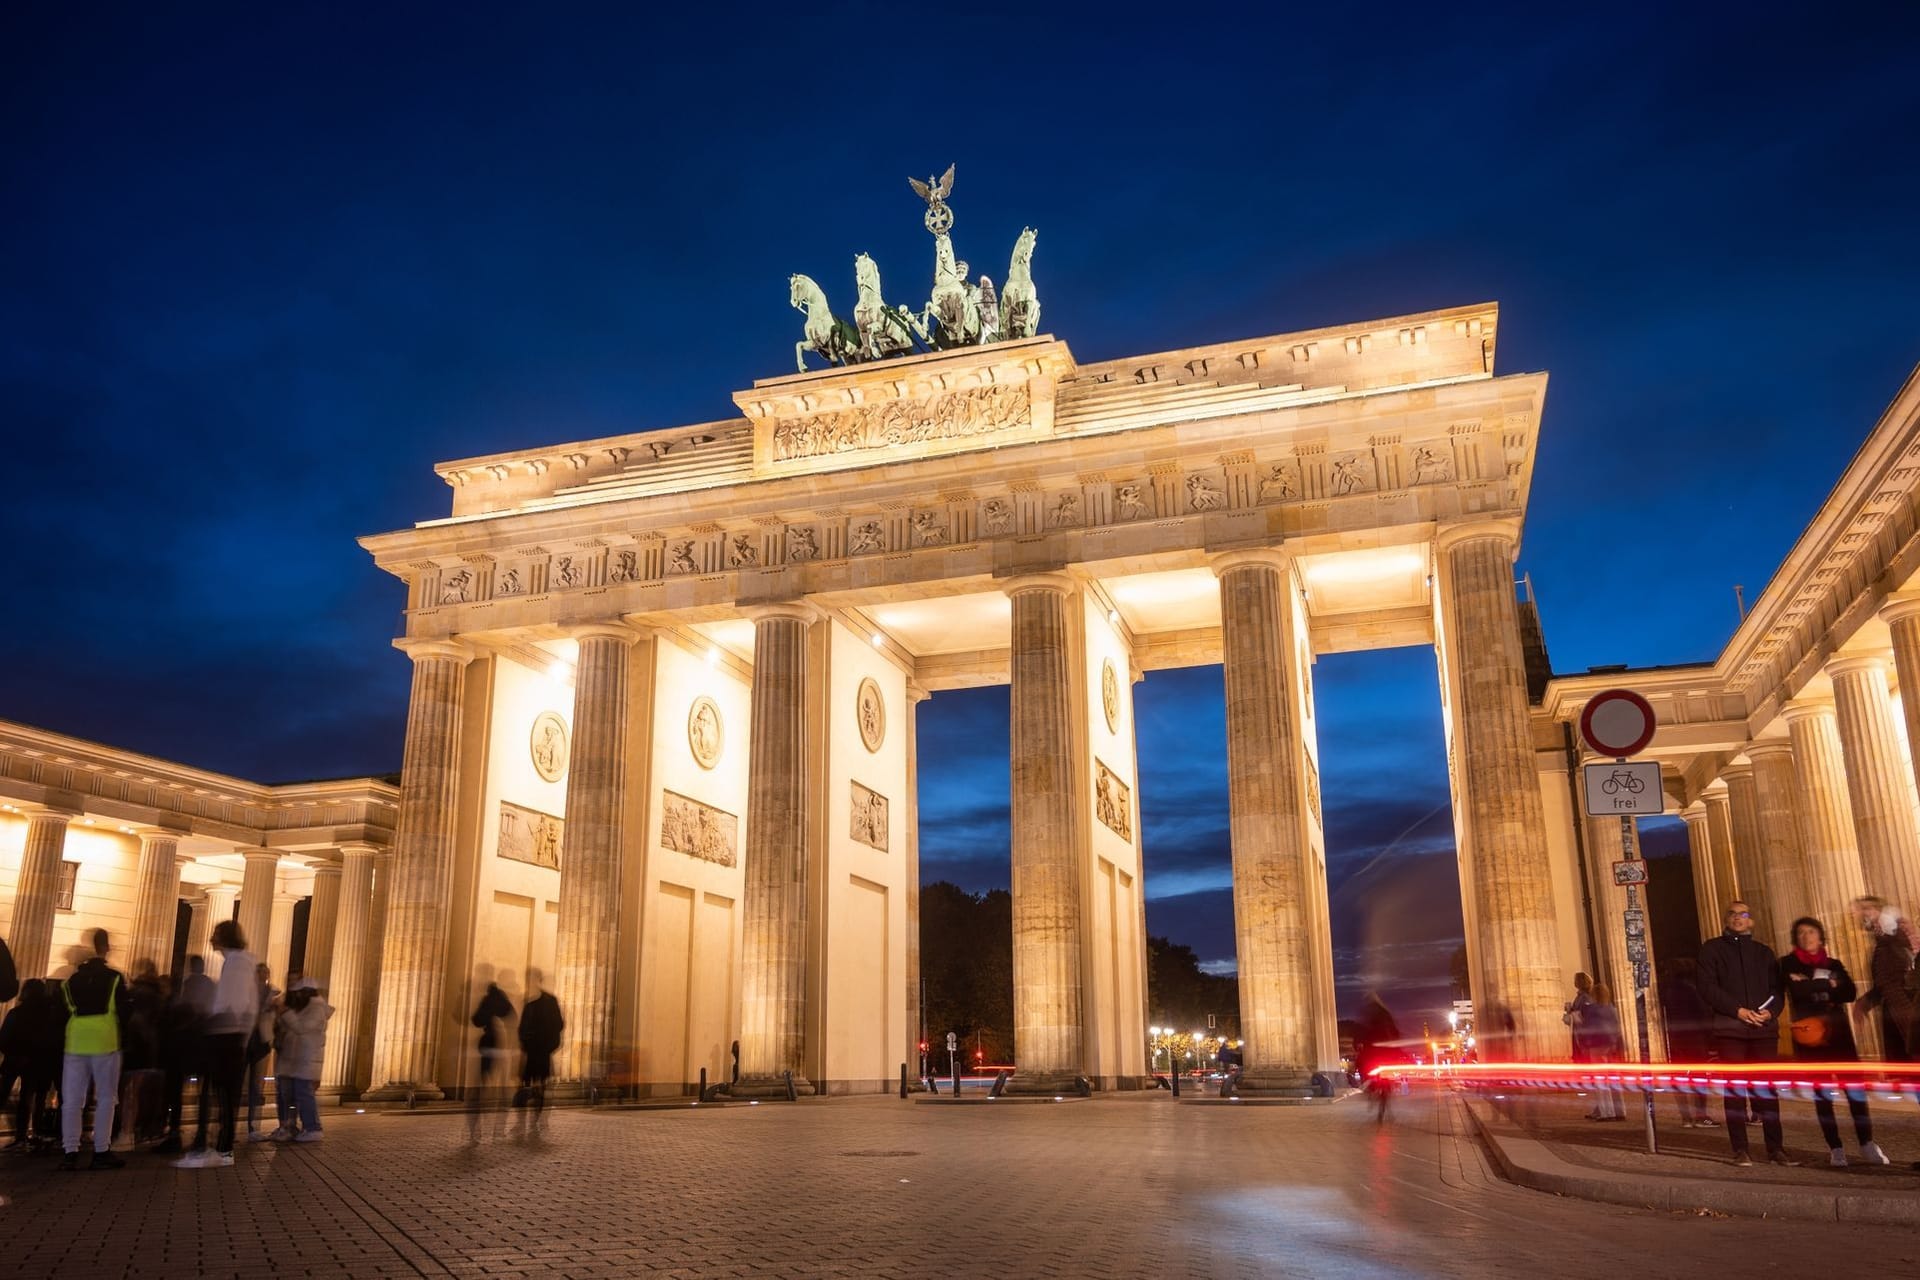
x=1766, y=1103
x=1856, y=1104
x=222, y=1072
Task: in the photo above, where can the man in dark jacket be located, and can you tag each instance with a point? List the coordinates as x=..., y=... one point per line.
x=540, y=1027
x=97, y=1007
x=1740, y=983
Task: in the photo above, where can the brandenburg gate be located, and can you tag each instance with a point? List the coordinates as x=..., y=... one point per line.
x=662, y=722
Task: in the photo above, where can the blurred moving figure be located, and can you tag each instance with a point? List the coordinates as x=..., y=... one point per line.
x=1819, y=989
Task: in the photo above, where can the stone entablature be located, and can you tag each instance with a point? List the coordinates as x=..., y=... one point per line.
x=1432, y=348
x=1120, y=485
x=42, y=768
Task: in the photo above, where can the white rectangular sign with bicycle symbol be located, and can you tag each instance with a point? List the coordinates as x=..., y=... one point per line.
x=1624, y=787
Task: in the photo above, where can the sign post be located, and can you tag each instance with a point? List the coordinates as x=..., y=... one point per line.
x=1618, y=723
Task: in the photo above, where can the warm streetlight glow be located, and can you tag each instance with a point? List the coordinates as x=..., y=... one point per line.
x=878, y=640
x=713, y=655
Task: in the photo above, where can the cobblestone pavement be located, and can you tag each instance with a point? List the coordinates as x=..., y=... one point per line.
x=1128, y=1186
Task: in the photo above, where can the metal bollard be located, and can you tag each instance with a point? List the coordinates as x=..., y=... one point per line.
x=702, y=1095
x=903, y=1082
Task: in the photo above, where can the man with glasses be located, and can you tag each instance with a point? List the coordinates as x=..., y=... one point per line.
x=1739, y=980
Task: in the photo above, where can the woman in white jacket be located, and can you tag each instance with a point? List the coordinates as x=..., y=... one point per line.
x=301, y=1044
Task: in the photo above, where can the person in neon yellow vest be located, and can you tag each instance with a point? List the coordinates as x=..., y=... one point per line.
x=96, y=1000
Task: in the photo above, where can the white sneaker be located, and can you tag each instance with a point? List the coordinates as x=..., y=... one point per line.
x=1837, y=1158
x=194, y=1160
x=310, y=1135
x=280, y=1135
x=257, y=1135
x=1872, y=1154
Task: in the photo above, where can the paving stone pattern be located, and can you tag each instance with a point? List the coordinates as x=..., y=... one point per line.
x=1112, y=1187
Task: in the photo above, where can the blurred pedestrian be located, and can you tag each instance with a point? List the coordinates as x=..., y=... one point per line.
x=301, y=1049
x=30, y=1051
x=97, y=1010
x=231, y=1019
x=1574, y=1011
x=141, y=1108
x=490, y=1015
x=182, y=1033
x=1895, y=994
x=1687, y=1042
x=258, y=1055
x=540, y=1028
x=1819, y=989
x=1741, y=985
x=1376, y=1038
x=1598, y=1037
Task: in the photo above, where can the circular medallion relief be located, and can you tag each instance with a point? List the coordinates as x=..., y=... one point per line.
x=704, y=735
x=871, y=710
x=1110, y=695
x=548, y=746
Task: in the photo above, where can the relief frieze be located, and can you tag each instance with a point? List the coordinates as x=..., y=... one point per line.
x=973, y=411
x=869, y=817
x=529, y=836
x=1112, y=801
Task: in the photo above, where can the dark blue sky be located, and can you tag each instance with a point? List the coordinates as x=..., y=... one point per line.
x=261, y=270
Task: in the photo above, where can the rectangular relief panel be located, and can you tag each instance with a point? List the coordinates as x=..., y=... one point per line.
x=1112, y=801
x=527, y=835
x=869, y=818
x=699, y=830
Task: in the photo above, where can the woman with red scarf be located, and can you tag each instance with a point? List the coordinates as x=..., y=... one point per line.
x=1819, y=989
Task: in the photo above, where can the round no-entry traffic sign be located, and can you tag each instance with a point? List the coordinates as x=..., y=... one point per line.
x=1617, y=723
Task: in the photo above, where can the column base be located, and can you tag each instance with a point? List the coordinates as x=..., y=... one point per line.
x=770, y=1087
x=1278, y=1082
x=1052, y=1084
x=403, y=1091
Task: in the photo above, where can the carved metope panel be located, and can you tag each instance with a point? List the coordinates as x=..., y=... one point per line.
x=1110, y=695
x=869, y=818
x=871, y=712
x=699, y=830
x=527, y=835
x=705, y=736
x=1112, y=801
x=974, y=411
x=548, y=746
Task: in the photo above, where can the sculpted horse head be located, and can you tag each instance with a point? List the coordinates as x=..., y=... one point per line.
x=866, y=275
x=803, y=293
x=1022, y=264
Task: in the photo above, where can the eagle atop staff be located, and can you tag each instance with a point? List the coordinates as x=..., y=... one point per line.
x=934, y=190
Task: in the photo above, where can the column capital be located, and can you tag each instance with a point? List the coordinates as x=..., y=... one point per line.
x=1803, y=708
x=420, y=650
x=364, y=847
x=257, y=853
x=1715, y=790
x=1059, y=584
x=1452, y=534
x=325, y=869
x=620, y=631
x=148, y=832
x=1770, y=748
x=1848, y=663
x=1268, y=557
x=1736, y=771
x=51, y=812
x=1900, y=606
x=1695, y=812
x=792, y=610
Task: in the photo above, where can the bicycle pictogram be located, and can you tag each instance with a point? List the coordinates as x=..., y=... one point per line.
x=1622, y=779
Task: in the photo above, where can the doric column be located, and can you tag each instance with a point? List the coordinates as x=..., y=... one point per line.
x=592, y=844
x=220, y=902
x=1511, y=873
x=1749, y=837
x=196, y=928
x=1726, y=881
x=38, y=890
x=773, y=1002
x=1273, y=897
x=258, y=888
x=413, y=973
x=1700, y=855
x=1902, y=616
x=156, y=900
x=915, y=696
x=349, y=976
x=1049, y=1044
x=1783, y=862
x=1877, y=780
x=322, y=920
x=1832, y=853
x=279, y=954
